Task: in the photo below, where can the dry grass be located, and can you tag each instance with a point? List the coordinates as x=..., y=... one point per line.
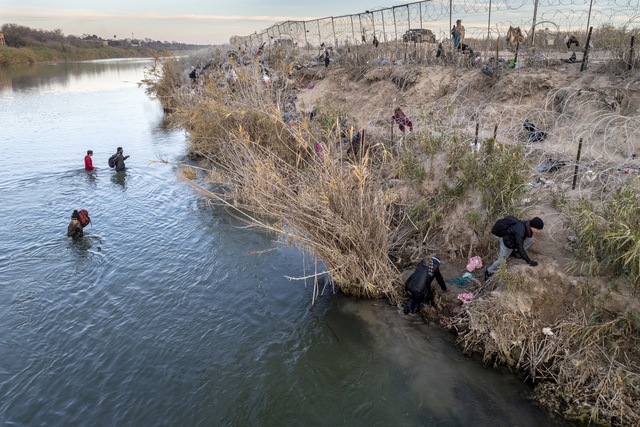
x=334, y=210
x=343, y=210
x=330, y=205
x=586, y=370
x=161, y=81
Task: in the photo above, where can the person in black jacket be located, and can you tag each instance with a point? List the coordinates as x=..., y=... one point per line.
x=419, y=284
x=119, y=159
x=74, y=229
x=518, y=237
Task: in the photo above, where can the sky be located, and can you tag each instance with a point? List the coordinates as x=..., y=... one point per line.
x=186, y=21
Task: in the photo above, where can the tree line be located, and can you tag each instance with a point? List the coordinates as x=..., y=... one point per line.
x=19, y=36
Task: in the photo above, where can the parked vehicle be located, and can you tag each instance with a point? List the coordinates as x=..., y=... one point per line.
x=419, y=35
x=285, y=43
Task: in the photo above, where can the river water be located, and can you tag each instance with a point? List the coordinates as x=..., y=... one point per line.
x=167, y=311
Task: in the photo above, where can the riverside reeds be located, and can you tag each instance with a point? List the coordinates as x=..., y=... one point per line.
x=367, y=216
x=317, y=197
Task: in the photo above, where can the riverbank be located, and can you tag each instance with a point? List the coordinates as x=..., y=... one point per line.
x=313, y=149
x=29, y=55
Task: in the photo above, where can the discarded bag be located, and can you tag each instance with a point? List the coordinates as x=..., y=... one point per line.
x=535, y=134
x=402, y=120
x=474, y=262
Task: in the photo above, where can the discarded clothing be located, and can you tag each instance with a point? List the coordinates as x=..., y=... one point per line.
x=492, y=66
x=402, y=120
x=465, y=297
x=552, y=165
x=535, y=134
x=474, y=262
x=572, y=40
x=462, y=281
x=356, y=141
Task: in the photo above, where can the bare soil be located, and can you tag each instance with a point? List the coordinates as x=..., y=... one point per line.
x=599, y=106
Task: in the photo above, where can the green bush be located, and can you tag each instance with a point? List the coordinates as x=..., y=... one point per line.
x=609, y=240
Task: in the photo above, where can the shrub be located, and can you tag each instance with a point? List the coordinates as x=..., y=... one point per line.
x=608, y=240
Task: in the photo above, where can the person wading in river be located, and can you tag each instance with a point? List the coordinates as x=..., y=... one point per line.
x=88, y=164
x=119, y=158
x=75, y=228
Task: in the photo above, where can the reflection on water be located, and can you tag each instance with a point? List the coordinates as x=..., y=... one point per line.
x=118, y=177
x=168, y=311
x=80, y=76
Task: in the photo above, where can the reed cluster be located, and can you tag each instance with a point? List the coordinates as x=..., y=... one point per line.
x=583, y=366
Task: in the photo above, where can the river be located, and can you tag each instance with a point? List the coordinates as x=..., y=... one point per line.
x=168, y=311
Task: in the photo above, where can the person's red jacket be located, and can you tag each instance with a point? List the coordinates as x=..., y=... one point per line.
x=88, y=164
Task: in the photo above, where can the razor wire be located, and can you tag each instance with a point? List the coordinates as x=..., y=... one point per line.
x=610, y=146
x=544, y=23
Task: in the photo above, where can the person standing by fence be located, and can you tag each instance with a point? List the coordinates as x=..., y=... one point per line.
x=458, y=33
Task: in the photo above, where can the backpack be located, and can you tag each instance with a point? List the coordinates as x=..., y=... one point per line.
x=112, y=161
x=83, y=216
x=417, y=282
x=502, y=225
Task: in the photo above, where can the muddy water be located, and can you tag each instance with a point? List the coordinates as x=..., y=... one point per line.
x=167, y=312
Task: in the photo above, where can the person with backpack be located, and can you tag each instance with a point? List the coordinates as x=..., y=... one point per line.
x=74, y=229
x=458, y=34
x=514, y=235
x=418, y=285
x=117, y=160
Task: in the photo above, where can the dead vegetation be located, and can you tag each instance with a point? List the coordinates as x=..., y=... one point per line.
x=582, y=361
x=369, y=213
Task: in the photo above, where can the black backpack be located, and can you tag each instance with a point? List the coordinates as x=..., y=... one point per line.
x=502, y=225
x=417, y=282
x=112, y=161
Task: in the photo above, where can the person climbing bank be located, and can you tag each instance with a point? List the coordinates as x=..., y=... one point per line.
x=519, y=236
x=418, y=285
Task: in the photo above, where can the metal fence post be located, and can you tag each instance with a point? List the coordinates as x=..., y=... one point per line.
x=575, y=171
x=353, y=31
x=533, y=26
x=395, y=27
x=489, y=30
x=450, y=16
x=585, y=55
x=373, y=22
x=333, y=27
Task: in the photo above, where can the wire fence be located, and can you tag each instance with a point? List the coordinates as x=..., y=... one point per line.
x=544, y=24
x=608, y=27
